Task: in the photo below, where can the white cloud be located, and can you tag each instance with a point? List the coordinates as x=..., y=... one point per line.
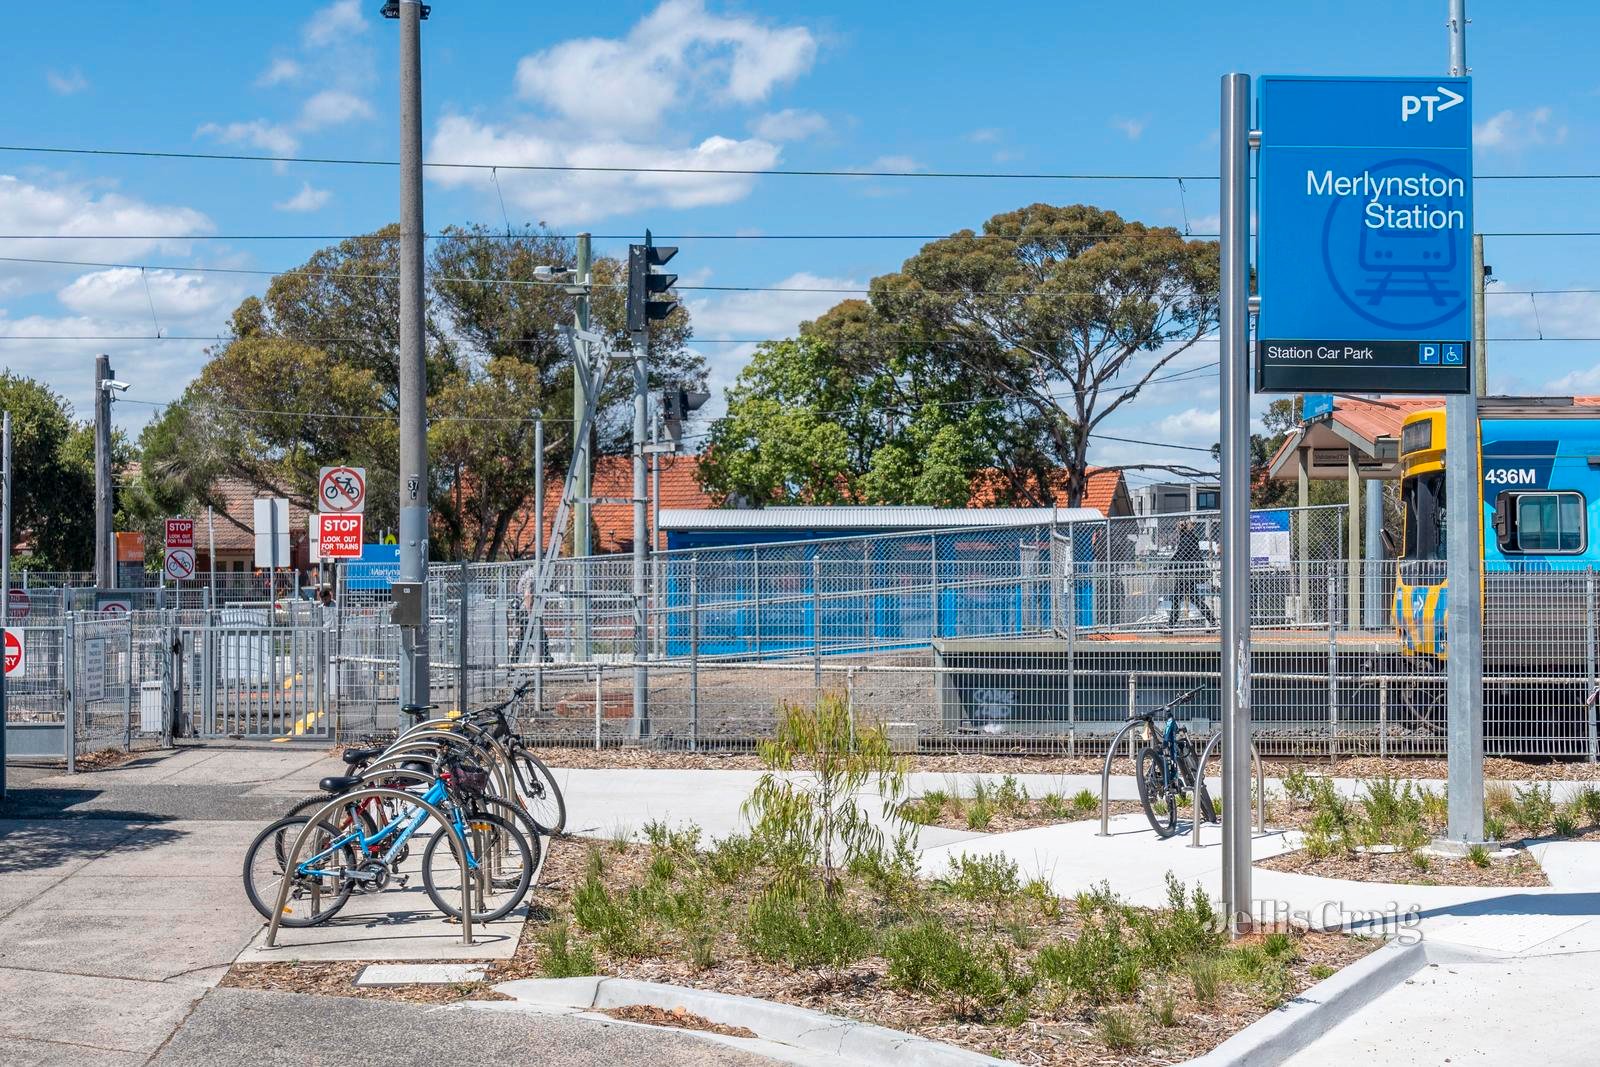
x=99, y=216
x=267, y=136
x=986, y=135
x=1133, y=129
x=790, y=124
x=279, y=72
x=307, y=199
x=1512, y=131
x=66, y=83
x=671, y=55
x=333, y=107
x=579, y=196
x=1192, y=426
x=334, y=23
x=129, y=293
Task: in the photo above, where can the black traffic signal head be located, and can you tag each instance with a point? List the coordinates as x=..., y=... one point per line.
x=649, y=289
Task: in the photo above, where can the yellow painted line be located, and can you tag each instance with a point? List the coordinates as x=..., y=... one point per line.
x=303, y=725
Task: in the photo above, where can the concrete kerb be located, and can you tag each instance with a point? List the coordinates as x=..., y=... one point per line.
x=1283, y=1032
x=785, y=1024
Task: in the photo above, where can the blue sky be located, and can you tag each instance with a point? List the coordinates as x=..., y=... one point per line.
x=1007, y=86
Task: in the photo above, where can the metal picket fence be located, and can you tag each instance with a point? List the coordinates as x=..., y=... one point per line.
x=1033, y=639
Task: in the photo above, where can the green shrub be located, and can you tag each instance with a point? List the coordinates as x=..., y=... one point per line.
x=703, y=949
x=1297, y=786
x=1165, y=1011
x=1391, y=814
x=1056, y=806
x=1420, y=860
x=1564, y=823
x=1098, y=965
x=1118, y=1030
x=1187, y=925
x=924, y=810
x=1494, y=828
x=733, y=858
x=1084, y=801
x=1478, y=856
x=928, y=957
x=1499, y=801
x=1319, y=971
x=562, y=958
x=805, y=809
x=980, y=813
x=993, y=878
x=1280, y=946
x=1587, y=800
x=805, y=932
x=1010, y=796
x=614, y=925
x=1205, y=977
x=1532, y=807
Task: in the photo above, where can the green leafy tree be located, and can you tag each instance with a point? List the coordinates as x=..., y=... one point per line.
x=1003, y=350
x=309, y=378
x=52, y=492
x=1066, y=313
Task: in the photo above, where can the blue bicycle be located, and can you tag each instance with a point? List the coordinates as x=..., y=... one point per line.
x=1167, y=770
x=359, y=846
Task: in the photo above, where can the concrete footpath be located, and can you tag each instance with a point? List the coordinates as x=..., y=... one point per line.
x=121, y=908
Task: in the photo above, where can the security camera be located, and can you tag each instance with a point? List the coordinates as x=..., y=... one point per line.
x=112, y=383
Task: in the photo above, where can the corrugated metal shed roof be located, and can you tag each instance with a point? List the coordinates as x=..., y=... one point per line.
x=864, y=518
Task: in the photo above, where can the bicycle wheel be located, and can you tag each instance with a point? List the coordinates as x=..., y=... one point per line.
x=512, y=812
x=538, y=792
x=312, y=899
x=500, y=849
x=1155, y=793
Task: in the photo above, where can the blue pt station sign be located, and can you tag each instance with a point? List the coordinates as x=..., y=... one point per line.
x=1365, y=266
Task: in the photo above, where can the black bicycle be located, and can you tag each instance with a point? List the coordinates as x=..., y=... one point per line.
x=1167, y=769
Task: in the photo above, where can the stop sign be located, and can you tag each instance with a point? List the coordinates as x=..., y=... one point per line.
x=19, y=603
x=16, y=659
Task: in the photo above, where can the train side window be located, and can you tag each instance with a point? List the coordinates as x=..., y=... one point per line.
x=1541, y=522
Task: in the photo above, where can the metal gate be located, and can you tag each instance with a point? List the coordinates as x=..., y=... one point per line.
x=247, y=676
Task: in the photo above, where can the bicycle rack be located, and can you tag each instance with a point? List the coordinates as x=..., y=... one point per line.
x=1261, y=787
x=458, y=844
x=1105, y=776
x=1200, y=774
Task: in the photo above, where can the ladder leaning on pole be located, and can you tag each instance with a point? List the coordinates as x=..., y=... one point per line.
x=598, y=366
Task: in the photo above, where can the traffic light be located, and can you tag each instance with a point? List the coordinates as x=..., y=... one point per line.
x=676, y=404
x=648, y=289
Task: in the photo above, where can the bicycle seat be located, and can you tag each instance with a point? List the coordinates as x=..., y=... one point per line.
x=339, y=783
x=353, y=756
x=417, y=711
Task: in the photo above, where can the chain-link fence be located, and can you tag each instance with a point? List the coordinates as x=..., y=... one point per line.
x=1039, y=638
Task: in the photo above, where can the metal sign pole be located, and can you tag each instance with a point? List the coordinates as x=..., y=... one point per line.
x=1233, y=330
x=1463, y=571
x=5, y=576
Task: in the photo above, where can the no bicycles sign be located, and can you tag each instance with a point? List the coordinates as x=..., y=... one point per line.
x=342, y=490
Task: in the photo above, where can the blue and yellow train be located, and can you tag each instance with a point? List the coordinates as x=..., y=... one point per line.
x=1539, y=509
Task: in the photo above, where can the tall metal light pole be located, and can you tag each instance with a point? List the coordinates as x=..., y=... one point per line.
x=414, y=679
x=105, y=566
x=1233, y=322
x=1464, y=563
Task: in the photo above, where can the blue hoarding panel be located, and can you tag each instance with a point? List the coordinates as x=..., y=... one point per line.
x=1365, y=191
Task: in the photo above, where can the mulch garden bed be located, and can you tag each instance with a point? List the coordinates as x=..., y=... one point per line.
x=1171, y=1016
x=1402, y=869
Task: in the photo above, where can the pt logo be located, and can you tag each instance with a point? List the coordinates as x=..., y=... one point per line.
x=1428, y=106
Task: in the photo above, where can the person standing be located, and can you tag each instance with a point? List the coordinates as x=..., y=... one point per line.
x=1188, y=575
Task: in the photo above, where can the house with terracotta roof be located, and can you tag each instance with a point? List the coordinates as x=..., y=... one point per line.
x=1106, y=492
x=230, y=525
